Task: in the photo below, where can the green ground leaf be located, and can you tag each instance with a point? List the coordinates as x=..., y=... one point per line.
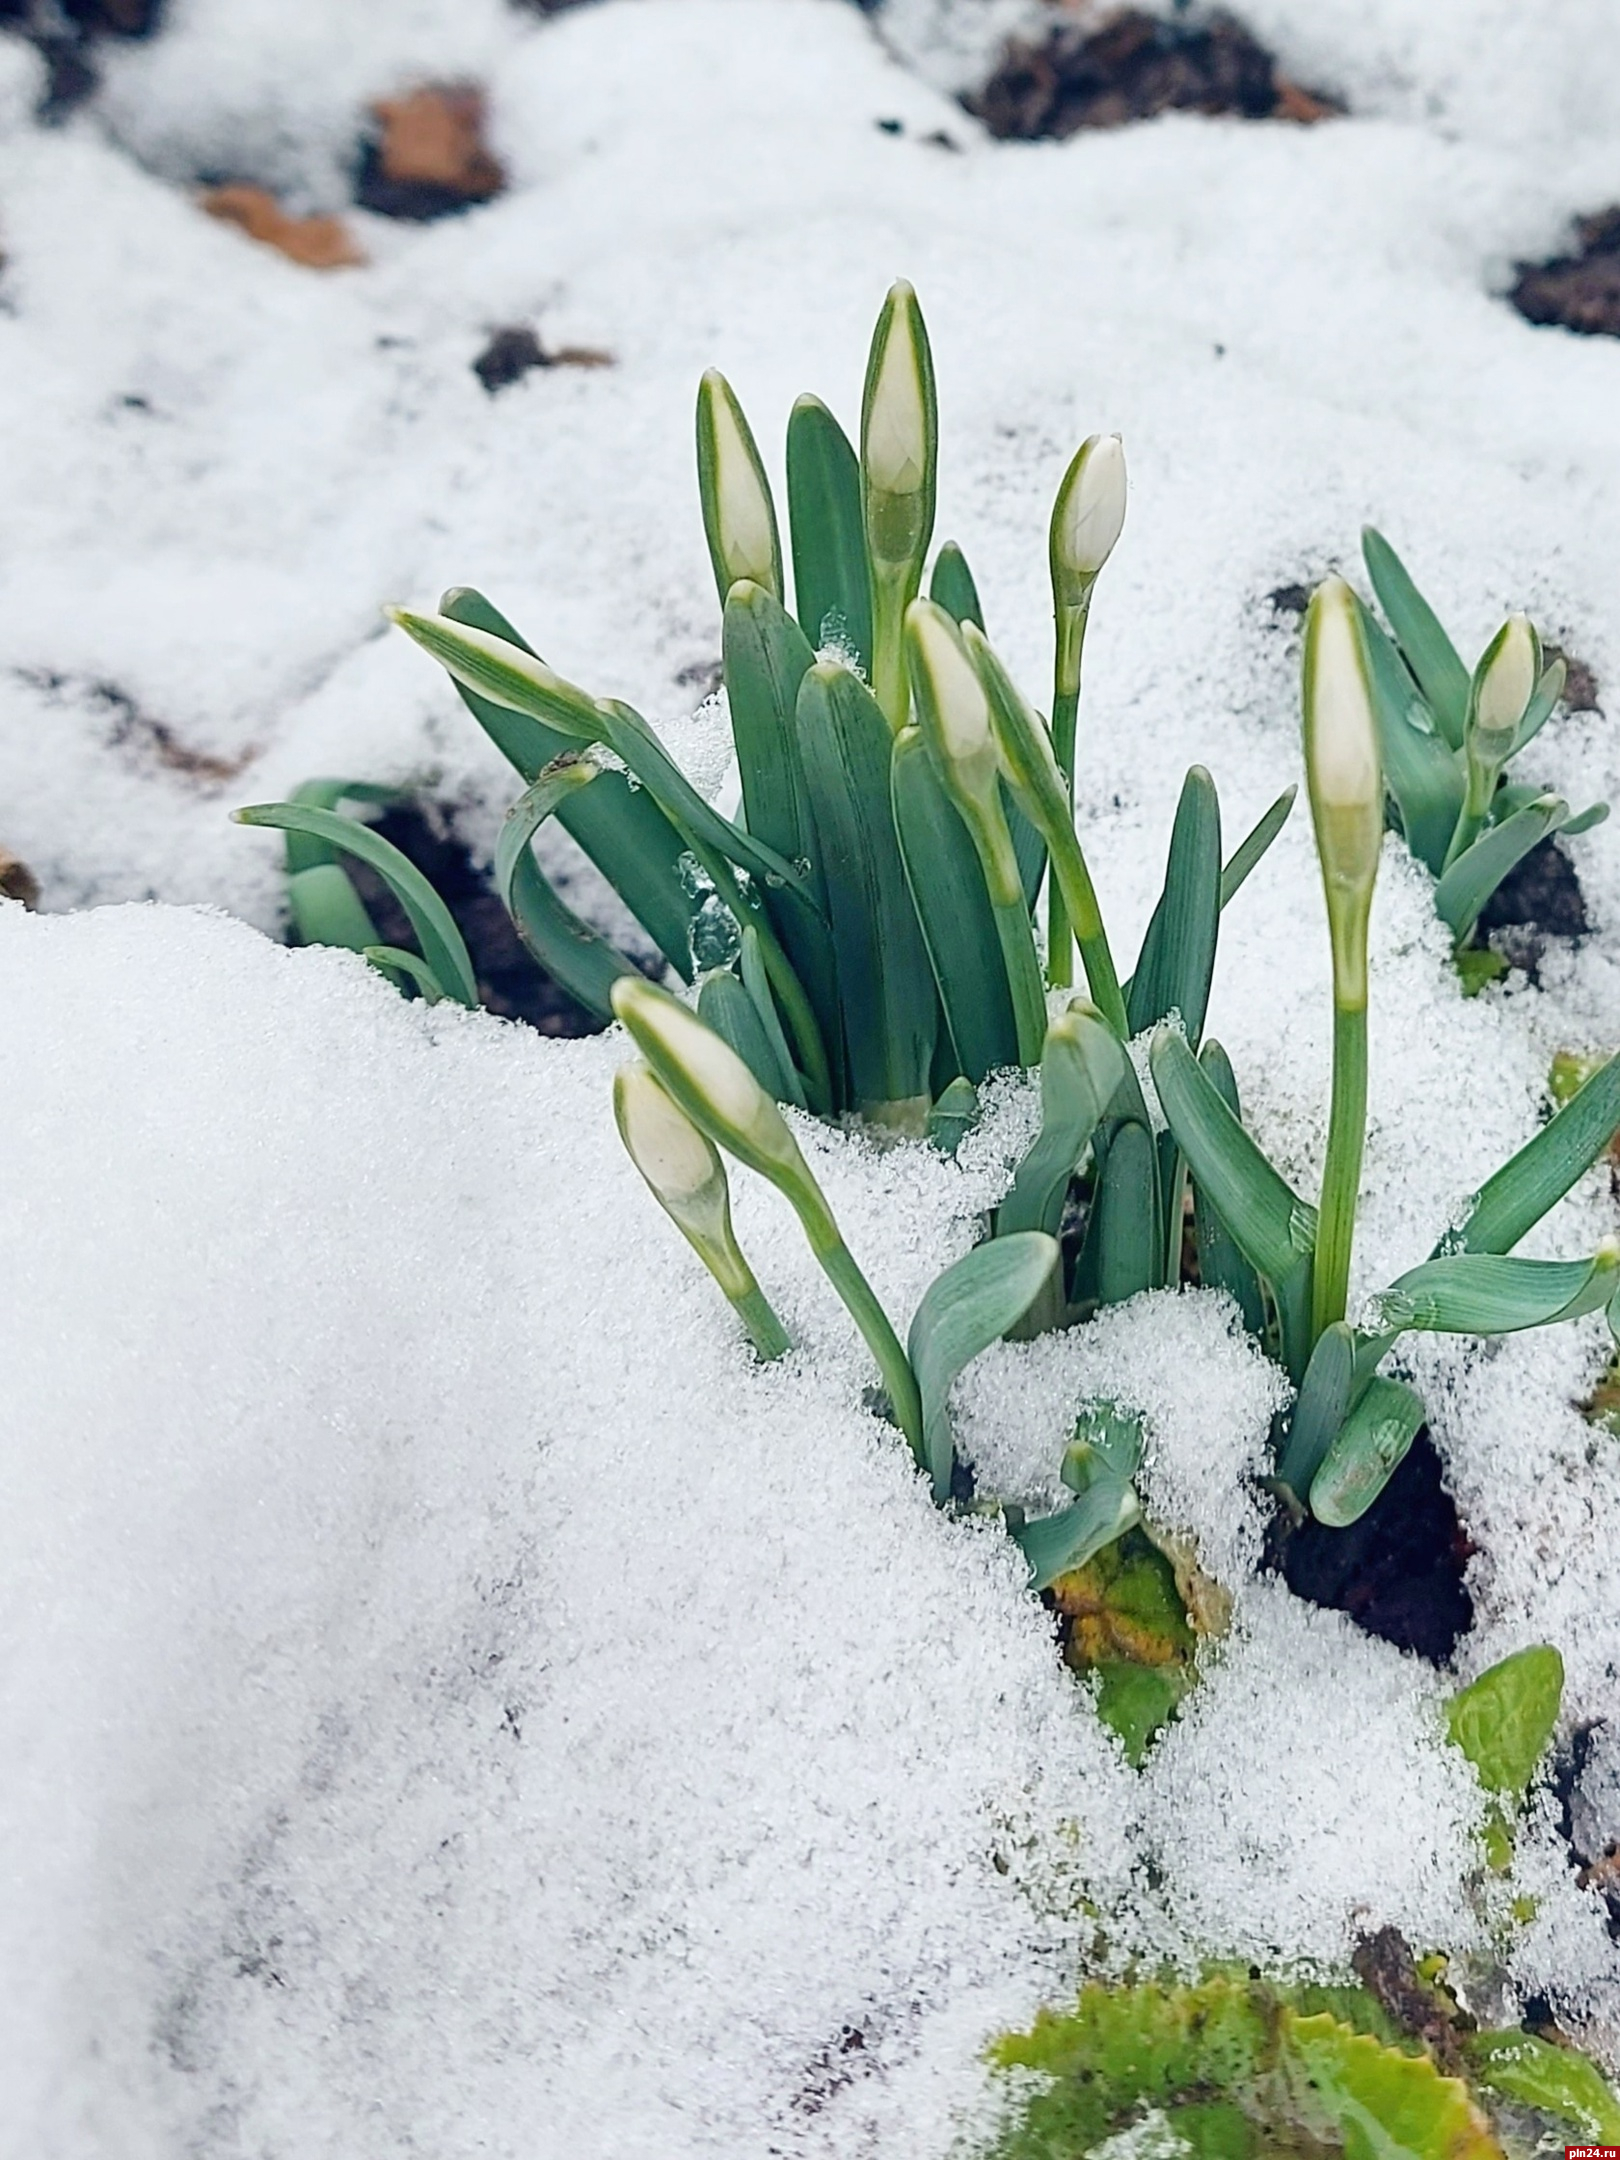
x=971, y=1305
x=1504, y=1720
x=1556, y=2080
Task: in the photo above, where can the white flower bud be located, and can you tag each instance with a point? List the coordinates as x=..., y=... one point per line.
x=679, y=1162
x=1088, y=516
x=738, y=515
x=1345, y=776
x=707, y=1078
x=1506, y=680
x=956, y=710
x=895, y=438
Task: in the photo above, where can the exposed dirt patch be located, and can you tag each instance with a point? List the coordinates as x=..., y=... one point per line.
x=64, y=33
x=1398, y=1572
x=509, y=981
x=151, y=741
x=1540, y=899
x=511, y=354
x=1103, y=73
x=319, y=243
x=1579, y=291
x=429, y=158
x=17, y=881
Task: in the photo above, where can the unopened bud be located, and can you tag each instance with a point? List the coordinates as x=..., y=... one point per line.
x=899, y=432
x=739, y=518
x=1087, y=517
x=1344, y=775
x=954, y=714
x=683, y=1170
x=503, y=673
x=1504, y=683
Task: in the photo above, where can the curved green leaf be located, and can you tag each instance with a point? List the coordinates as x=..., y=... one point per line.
x=1481, y=867
x=962, y=1312
x=569, y=950
x=395, y=960
x=724, y=1005
x=954, y=1116
x=326, y=909
x=832, y=580
x=442, y=944
x=303, y=850
x=1515, y=1199
x=1366, y=1451
x=1123, y=1244
x=1556, y=2080
x=1484, y=1294
x=1055, y=1544
x=1504, y=1720
x=1420, y=772
x=1252, y=847
x=952, y=588
x=1221, y=1266
x=1319, y=1412
x=1540, y=709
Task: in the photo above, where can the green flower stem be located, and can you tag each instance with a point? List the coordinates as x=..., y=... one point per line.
x=1023, y=978
x=1072, y=881
x=765, y=1331
x=869, y=1316
x=1341, y=1175
x=1471, y=817
x=1071, y=640
x=894, y=587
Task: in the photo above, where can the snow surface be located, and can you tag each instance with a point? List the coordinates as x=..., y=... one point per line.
x=453, y=1702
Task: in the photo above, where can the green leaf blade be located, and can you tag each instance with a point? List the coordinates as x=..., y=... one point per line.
x=1481, y=867
x=971, y=1305
x=1504, y=1720
x=1430, y=654
x=1515, y=1199
x=1366, y=1451
x=832, y=579
x=1177, y=962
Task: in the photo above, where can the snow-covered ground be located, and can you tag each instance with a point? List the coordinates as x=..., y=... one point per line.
x=452, y=1703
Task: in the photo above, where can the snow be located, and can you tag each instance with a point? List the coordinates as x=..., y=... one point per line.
x=453, y=1701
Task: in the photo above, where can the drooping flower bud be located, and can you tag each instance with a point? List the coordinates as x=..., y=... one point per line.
x=1087, y=517
x=683, y=1170
x=503, y=672
x=717, y=1091
x=1345, y=777
x=739, y=518
x=954, y=714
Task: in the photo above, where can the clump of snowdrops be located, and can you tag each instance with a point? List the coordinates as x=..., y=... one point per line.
x=864, y=940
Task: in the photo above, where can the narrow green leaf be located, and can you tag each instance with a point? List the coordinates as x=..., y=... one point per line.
x=1542, y=706
x=757, y=982
x=1319, y=1411
x=1273, y=1227
x=832, y=580
x=1055, y=1544
x=1082, y=1064
x=585, y=963
x=952, y=588
x=971, y=1305
x=1429, y=653
x=1246, y=856
x=394, y=960
x=1177, y=962
x=1366, y=1451
x=954, y=1116
x=442, y=945
x=1123, y=1238
x=1484, y=1294
x=885, y=983
x=326, y=909
x=1555, y=2080
x=303, y=850
x=619, y=825
x=1479, y=869
x=1221, y=1266
x=1423, y=775
x=725, y=1005
x=954, y=913
x=766, y=661
x=1521, y=1192
x=1584, y=820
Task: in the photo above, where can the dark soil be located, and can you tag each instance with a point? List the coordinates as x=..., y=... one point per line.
x=510, y=983
x=64, y=35
x=428, y=158
x=1539, y=899
x=1600, y=1869
x=512, y=352
x=1131, y=66
x=1580, y=291
x=1398, y=1572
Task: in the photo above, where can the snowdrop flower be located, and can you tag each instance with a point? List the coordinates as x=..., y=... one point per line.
x=1504, y=684
x=954, y=714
